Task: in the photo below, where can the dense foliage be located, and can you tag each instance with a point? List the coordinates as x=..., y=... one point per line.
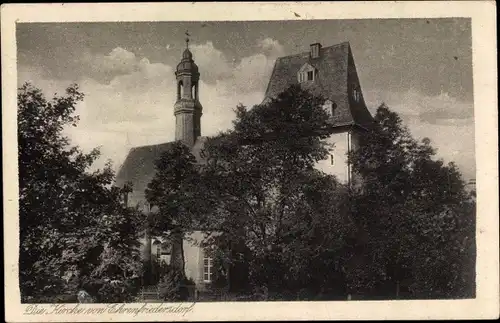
x=174, y=194
x=417, y=214
x=73, y=225
x=271, y=205
x=173, y=285
x=285, y=230
x=275, y=224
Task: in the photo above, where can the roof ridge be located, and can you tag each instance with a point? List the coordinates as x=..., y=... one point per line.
x=164, y=143
x=306, y=52
x=151, y=145
x=336, y=45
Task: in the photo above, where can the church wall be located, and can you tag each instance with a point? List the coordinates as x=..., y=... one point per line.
x=355, y=139
x=143, y=247
x=355, y=143
x=339, y=152
x=193, y=258
x=342, y=142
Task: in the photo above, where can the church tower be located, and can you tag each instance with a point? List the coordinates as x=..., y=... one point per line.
x=187, y=108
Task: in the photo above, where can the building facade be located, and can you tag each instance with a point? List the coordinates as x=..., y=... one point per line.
x=329, y=72
x=138, y=169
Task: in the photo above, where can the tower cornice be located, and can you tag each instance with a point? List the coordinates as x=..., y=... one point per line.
x=193, y=74
x=187, y=106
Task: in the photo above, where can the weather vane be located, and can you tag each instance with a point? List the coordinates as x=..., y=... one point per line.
x=187, y=38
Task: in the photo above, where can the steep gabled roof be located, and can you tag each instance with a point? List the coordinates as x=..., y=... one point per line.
x=335, y=72
x=139, y=167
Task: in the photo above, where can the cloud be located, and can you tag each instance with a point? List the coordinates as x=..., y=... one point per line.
x=105, y=67
x=252, y=73
x=35, y=76
x=271, y=47
x=249, y=75
x=212, y=62
x=453, y=142
x=446, y=109
x=438, y=109
x=118, y=59
x=129, y=100
x=447, y=121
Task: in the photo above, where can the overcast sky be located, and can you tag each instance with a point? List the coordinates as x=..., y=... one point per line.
x=420, y=68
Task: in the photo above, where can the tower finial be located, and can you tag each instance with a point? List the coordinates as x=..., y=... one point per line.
x=187, y=38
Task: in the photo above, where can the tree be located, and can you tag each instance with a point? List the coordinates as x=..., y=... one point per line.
x=416, y=213
x=271, y=204
x=69, y=218
x=174, y=192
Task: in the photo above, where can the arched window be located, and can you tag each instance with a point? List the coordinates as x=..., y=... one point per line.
x=180, y=88
x=194, y=90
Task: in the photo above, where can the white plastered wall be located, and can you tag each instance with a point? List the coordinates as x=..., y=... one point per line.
x=341, y=143
x=193, y=257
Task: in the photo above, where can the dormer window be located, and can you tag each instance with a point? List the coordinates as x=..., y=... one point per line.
x=302, y=77
x=356, y=93
x=329, y=107
x=307, y=73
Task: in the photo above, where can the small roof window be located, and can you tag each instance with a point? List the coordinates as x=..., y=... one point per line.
x=329, y=107
x=307, y=73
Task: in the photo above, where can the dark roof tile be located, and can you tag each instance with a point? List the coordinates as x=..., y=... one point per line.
x=139, y=167
x=331, y=82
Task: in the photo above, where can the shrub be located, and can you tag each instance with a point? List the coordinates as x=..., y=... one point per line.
x=174, y=286
x=114, y=293
x=111, y=290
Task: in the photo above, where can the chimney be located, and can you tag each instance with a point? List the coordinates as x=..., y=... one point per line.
x=315, y=50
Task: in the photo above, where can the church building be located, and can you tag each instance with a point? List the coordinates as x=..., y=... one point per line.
x=326, y=71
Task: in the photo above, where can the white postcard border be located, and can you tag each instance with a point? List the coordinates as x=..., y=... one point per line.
x=482, y=13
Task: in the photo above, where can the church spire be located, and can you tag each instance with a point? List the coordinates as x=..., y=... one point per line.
x=187, y=109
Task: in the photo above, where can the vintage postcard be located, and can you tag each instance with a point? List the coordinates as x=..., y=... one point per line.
x=250, y=161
